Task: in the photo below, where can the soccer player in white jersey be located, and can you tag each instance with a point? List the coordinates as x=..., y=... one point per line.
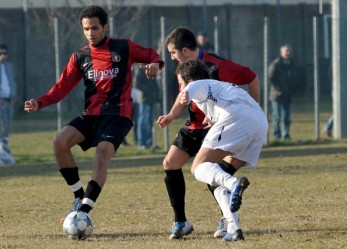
x=239, y=128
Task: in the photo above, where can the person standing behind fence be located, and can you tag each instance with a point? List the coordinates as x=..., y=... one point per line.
x=149, y=97
x=282, y=80
x=203, y=42
x=7, y=100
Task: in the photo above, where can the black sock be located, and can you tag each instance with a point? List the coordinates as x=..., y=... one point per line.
x=227, y=167
x=92, y=192
x=71, y=177
x=176, y=189
x=79, y=193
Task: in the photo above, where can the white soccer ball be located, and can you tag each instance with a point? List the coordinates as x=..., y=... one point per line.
x=78, y=225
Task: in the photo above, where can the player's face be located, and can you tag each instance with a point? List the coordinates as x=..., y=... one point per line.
x=93, y=30
x=177, y=54
x=3, y=55
x=181, y=83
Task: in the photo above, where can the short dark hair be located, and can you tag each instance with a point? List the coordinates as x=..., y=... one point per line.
x=202, y=33
x=3, y=46
x=182, y=37
x=94, y=11
x=192, y=70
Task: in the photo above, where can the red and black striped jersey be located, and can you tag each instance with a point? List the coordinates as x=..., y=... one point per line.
x=223, y=70
x=106, y=70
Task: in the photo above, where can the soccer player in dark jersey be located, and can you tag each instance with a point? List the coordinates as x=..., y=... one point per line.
x=181, y=44
x=105, y=66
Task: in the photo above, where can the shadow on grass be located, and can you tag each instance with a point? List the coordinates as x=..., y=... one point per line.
x=298, y=149
x=48, y=169
x=282, y=232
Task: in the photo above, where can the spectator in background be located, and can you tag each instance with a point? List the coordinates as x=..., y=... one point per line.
x=7, y=100
x=202, y=41
x=282, y=80
x=329, y=126
x=149, y=96
x=135, y=93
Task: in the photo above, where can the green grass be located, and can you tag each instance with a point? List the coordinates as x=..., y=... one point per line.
x=296, y=198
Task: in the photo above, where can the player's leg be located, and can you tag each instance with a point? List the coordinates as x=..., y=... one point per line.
x=224, y=139
x=212, y=173
x=175, y=186
x=109, y=133
x=185, y=145
x=233, y=231
x=222, y=227
x=63, y=141
x=104, y=152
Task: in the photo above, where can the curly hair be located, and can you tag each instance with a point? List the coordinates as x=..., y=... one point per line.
x=94, y=11
x=192, y=70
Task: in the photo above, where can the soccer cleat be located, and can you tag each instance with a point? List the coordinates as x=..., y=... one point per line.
x=179, y=229
x=221, y=228
x=238, y=235
x=236, y=194
x=76, y=204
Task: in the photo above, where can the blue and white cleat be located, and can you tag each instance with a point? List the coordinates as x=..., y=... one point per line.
x=76, y=204
x=236, y=194
x=221, y=228
x=179, y=229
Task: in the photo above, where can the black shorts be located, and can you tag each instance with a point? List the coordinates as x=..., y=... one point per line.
x=190, y=140
x=96, y=129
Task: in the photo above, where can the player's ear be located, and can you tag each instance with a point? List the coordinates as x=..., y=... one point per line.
x=185, y=51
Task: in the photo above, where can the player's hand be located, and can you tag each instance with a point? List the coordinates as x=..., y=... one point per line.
x=207, y=122
x=31, y=105
x=164, y=120
x=184, y=98
x=151, y=70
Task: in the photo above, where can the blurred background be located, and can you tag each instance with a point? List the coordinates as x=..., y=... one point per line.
x=41, y=35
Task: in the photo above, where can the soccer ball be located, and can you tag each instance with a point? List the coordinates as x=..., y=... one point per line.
x=78, y=225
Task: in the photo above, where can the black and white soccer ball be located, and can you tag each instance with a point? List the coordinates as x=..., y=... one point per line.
x=78, y=225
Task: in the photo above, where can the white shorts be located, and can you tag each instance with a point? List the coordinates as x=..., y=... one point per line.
x=241, y=130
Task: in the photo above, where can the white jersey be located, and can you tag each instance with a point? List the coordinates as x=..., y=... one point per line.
x=240, y=125
x=214, y=97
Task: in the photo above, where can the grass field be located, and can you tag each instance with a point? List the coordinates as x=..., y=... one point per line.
x=296, y=198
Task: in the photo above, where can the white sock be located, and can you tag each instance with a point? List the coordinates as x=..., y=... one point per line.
x=222, y=195
x=76, y=186
x=212, y=173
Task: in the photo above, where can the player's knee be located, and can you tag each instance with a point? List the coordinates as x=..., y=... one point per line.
x=58, y=142
x=170, y=164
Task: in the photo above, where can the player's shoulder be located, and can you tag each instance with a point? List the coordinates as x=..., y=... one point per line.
x=212, y=58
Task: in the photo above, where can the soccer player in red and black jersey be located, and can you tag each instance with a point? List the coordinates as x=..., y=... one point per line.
x=105, y=66
x=181, y=44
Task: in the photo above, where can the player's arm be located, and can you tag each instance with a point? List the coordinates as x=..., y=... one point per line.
x=148, y=56
x=68, y=80
x=176, y=109
x=238, y=74
x=31, y=105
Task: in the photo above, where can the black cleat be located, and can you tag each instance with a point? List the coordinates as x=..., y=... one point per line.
x=238, y=235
